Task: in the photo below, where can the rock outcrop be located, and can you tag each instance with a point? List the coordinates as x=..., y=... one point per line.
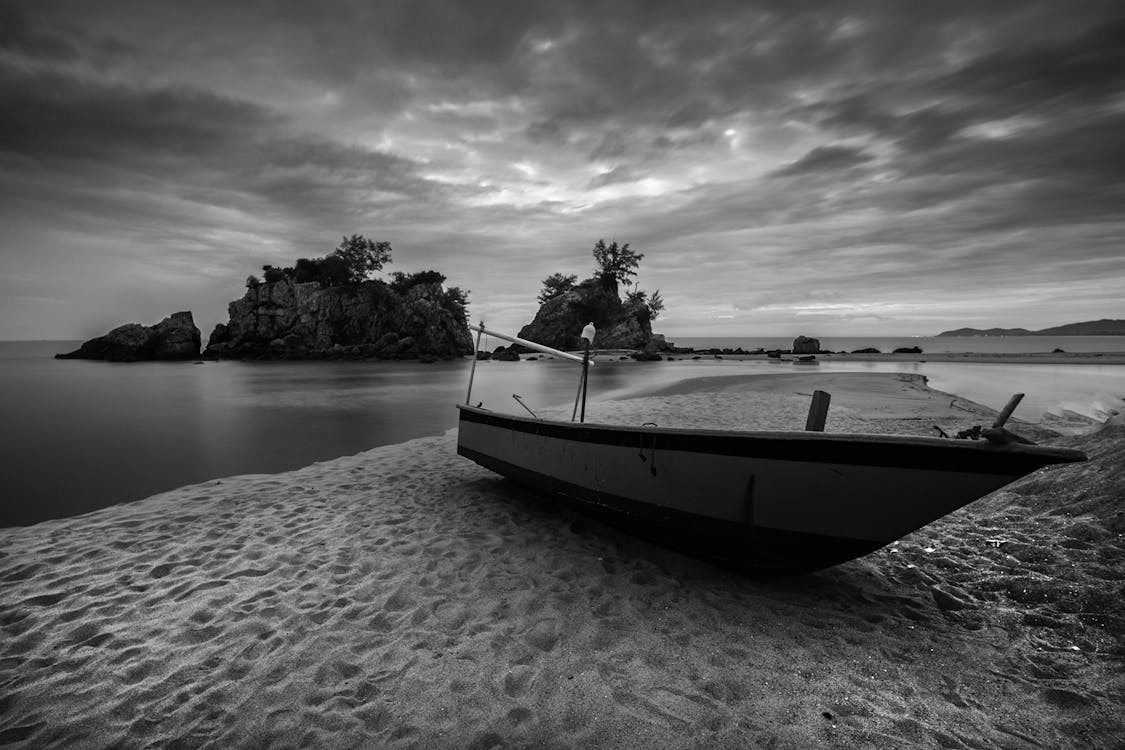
x=287, y=320
x=560, y=320
x=173, y=338
x=806, y=345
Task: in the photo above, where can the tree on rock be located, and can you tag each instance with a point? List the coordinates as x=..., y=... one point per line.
x=555, y=285
x=639, y=299
x=615, y=263
x=361, y=257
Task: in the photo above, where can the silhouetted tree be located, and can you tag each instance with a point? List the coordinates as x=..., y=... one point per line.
x=556, y=284
x=615, y=263
x=639, y=299
x=361, y=256
x=335, y=270
x=402, y=282
x=272, y=274
x=457, y=301
x=307, y=270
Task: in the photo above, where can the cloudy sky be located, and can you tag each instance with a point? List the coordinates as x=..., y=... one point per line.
x=786, y=167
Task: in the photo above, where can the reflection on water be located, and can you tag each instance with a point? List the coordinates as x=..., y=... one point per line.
x=83, y=435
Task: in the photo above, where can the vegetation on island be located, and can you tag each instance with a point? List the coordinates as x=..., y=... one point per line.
x=614, y=264
x=566, y=305
x=353, y=262
x=333, y=307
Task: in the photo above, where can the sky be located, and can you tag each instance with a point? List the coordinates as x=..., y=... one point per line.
x=827, y=169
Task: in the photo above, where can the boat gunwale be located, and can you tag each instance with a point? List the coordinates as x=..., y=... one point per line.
x=951, y=446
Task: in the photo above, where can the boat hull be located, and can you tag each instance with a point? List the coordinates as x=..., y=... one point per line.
x=785, y=502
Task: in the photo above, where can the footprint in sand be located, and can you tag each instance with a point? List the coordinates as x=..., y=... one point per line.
x=22, y=573
x=161, y=570
x=397, y=601
x=13, y=735
x=519, y=715
x=45, y=600
x=543, y=636
x=517, y=680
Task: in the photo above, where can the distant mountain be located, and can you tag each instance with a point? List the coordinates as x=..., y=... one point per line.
x=988, y=332
x=1103, y=327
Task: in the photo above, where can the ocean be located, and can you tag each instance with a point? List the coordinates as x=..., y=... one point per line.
x=82, y=435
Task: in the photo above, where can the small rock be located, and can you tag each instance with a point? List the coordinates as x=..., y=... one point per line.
x=806, y=345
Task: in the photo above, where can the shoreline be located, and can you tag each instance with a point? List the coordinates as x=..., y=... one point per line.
x=1048, y=358
x=404, y=596
x=1036, y=358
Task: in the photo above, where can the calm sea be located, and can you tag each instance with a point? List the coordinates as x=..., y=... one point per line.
x=82, y=435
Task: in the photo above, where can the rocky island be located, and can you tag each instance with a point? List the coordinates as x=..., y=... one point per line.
x=174, y=338
x=567, y=305
x=319, y=308
x=286, y=319
x=328, y=308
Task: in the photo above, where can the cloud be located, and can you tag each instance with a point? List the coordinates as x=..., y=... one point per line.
x=749, y=149
x=825, y=159
x=618, y=174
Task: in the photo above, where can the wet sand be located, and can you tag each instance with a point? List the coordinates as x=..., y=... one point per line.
x=405, y=597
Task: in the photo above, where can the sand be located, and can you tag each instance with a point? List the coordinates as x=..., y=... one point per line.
x=405, y=597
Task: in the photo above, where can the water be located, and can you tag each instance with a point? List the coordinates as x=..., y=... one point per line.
x=930, y=344
x=82, y=435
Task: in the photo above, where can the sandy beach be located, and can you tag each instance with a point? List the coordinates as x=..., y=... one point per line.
x=405, y=597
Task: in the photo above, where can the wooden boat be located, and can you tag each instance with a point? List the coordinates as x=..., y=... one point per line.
x=770, y=501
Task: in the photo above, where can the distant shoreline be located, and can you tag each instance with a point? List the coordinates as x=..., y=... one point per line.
x=1041, y=358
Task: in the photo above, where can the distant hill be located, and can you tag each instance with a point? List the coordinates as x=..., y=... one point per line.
x=1103, y=327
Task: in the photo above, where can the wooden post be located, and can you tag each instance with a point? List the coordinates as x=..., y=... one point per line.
x=578, y=395
x=473, y=367
x=585, y=378
x=1010, y=407
x=818, y=411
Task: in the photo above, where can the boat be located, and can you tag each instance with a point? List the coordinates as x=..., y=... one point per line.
x=779, y=502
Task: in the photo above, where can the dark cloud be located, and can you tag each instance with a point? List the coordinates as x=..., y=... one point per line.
x=19, y=35
x=825, y=159
x=52, y=115
x=1084, y=69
